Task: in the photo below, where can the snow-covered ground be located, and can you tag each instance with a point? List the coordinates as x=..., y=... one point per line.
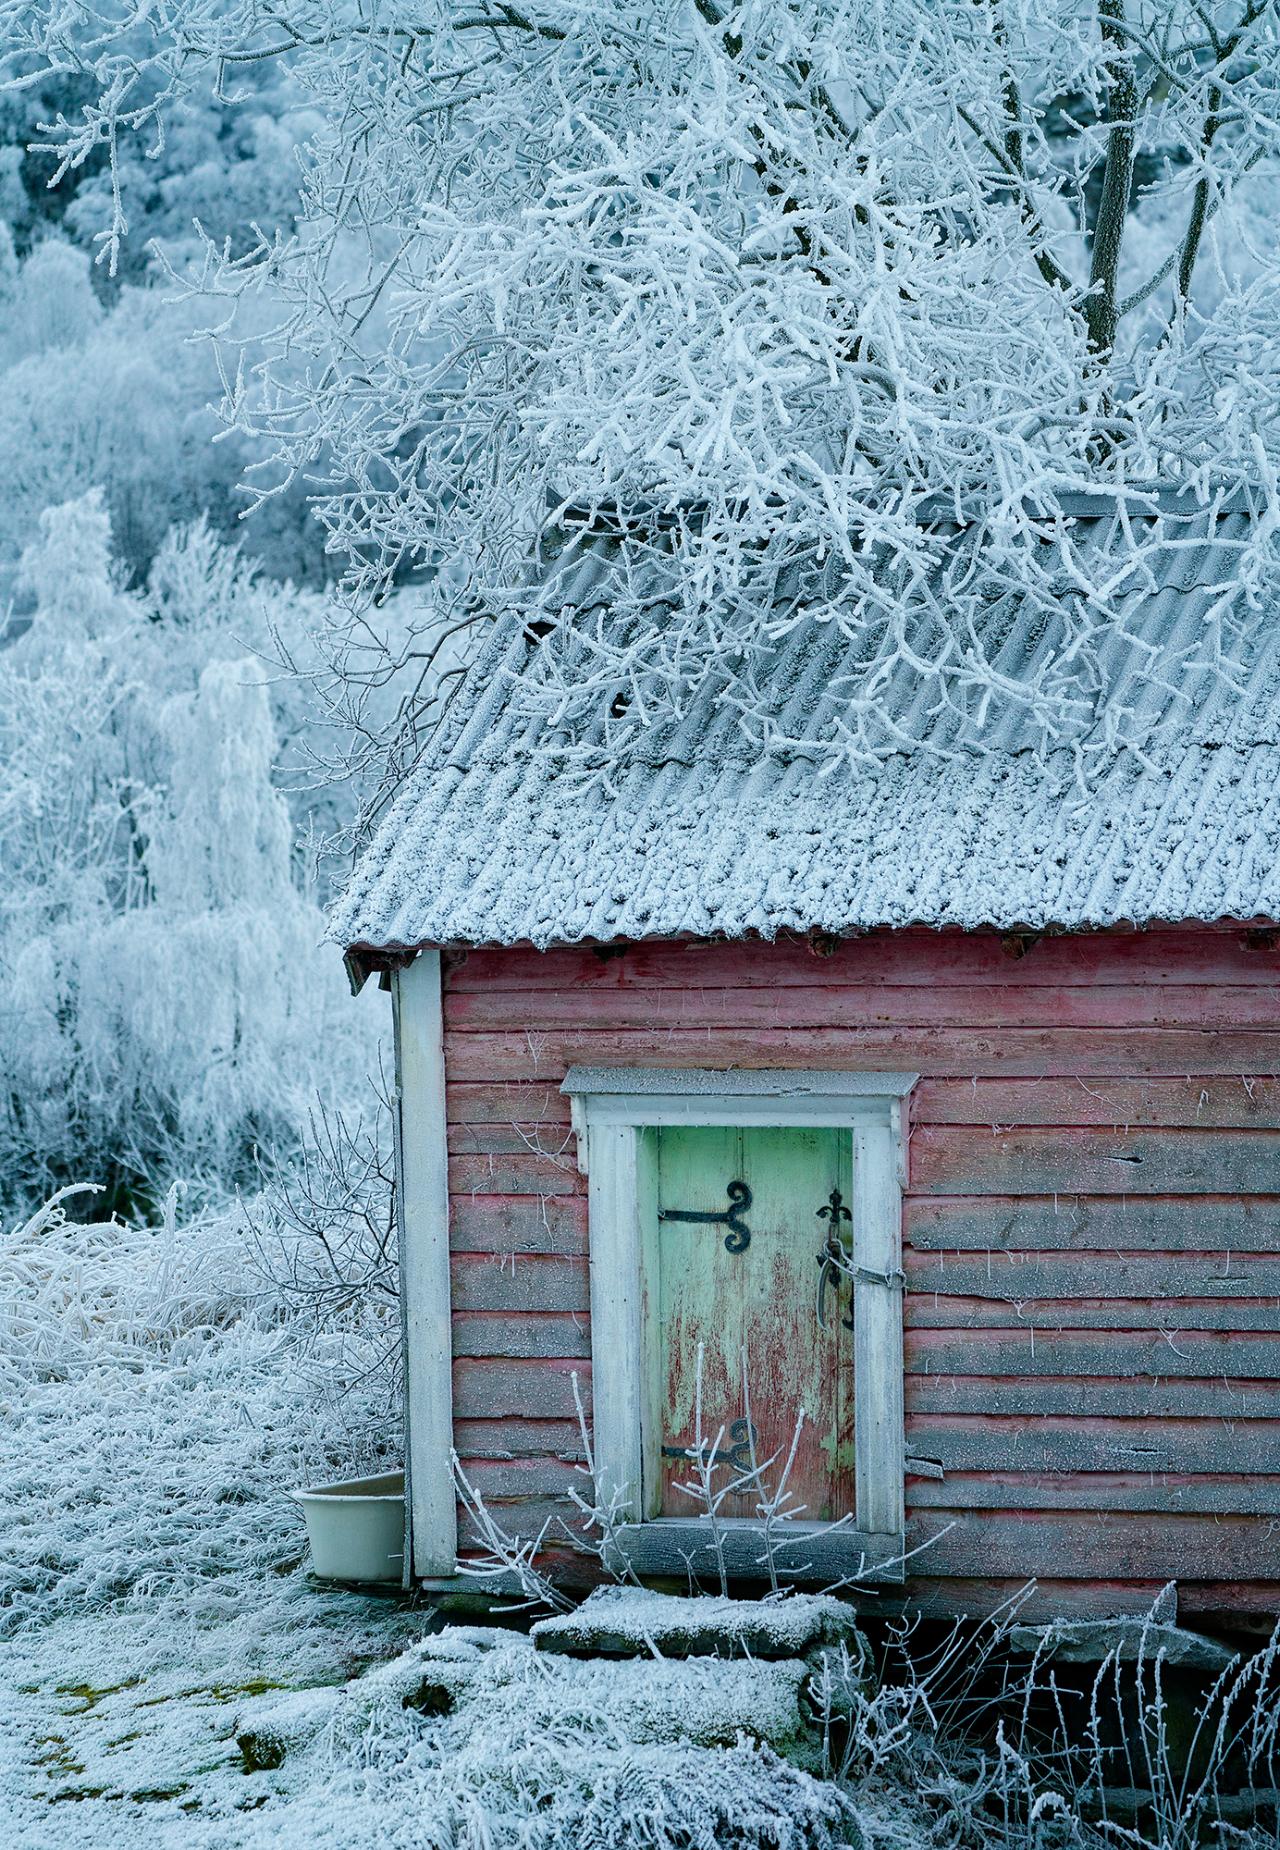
x=159, y=1397
x=119, y=1727
x=158, y=1400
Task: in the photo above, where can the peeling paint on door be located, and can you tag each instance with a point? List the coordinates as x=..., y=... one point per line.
x=758, y=1298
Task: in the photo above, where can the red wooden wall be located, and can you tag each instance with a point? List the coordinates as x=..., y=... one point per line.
x=1092, y=1229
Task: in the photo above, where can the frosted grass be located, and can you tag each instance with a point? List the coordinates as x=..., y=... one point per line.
x=160, y=1397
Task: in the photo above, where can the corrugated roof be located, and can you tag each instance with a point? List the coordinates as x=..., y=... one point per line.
x=517, y=827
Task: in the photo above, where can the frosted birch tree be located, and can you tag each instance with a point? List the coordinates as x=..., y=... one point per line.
x=143, y=837
x=760, y=286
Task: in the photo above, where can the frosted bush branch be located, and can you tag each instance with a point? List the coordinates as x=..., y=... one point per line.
x=774, y=1498
x=326, y=1225
x=994, y=1735
x=323, y=1234
x=608, y=1509
x=706, y=1494
x=496, y=1556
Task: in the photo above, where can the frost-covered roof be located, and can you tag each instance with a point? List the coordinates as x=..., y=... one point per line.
x=519, y=826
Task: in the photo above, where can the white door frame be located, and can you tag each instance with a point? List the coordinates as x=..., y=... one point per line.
x=611, y=1106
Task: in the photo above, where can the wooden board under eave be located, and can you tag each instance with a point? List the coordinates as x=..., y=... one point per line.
x=827, y=1006
x=1229, y=955
x=1091, y=1229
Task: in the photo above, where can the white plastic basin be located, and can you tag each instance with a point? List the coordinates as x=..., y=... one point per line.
x=356, y=1529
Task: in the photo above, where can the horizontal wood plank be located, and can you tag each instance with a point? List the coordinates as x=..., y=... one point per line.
x=1143, y=1398
x=519, y=1284
x=1094, y=1223
x=559, y=1559
x=1035, y=1602
x=1165, y=1314
x=498, y=1479
x=524, y=1519
x=1018, y=1443
x=1238, y=1102
x=1024, y=1277
x=537, y=1103
x=515, y=1138
x=826, y=1004
x=514, y=1391
x=517, y=1438
x=1046, y=1599
x=1110, y=1545
x=1163, y=1494
x=808, y=1558
x=952, y=1160
x=1194, y=1354
x=1222, y=1598
x=943, y=1052
x=536, y=1333
x=518, y=1223
x=523, y=1173
x=919, y=956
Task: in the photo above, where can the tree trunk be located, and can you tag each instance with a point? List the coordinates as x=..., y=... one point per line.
x=1108, y=231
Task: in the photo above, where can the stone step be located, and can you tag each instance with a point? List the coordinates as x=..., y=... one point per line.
x=636, y=1622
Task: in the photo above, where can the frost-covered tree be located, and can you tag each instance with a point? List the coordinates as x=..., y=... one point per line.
x=166, y=1007
x=765, y=277
x=117, y=397
x=228, y=162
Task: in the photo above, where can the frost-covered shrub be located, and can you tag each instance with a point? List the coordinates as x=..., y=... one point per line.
x=166, y=1005
x=158, y=1404
x=325, y=1236
x=53, y=306
x=1003, y=1742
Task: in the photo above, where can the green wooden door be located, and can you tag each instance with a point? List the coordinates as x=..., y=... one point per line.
x=760, y=1302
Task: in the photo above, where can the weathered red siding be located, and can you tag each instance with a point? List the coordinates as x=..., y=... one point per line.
x=1092, y=1229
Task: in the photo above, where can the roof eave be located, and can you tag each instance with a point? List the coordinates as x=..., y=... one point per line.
x=365, y=959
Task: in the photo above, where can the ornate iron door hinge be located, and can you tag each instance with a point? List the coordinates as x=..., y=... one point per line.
x=835, y=1211
x=738, y=1237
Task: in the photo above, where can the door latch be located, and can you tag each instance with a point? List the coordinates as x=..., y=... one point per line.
x=744, y=1436
x=833, y=1260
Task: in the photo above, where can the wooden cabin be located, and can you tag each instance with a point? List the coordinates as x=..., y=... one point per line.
x=946, y=1091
